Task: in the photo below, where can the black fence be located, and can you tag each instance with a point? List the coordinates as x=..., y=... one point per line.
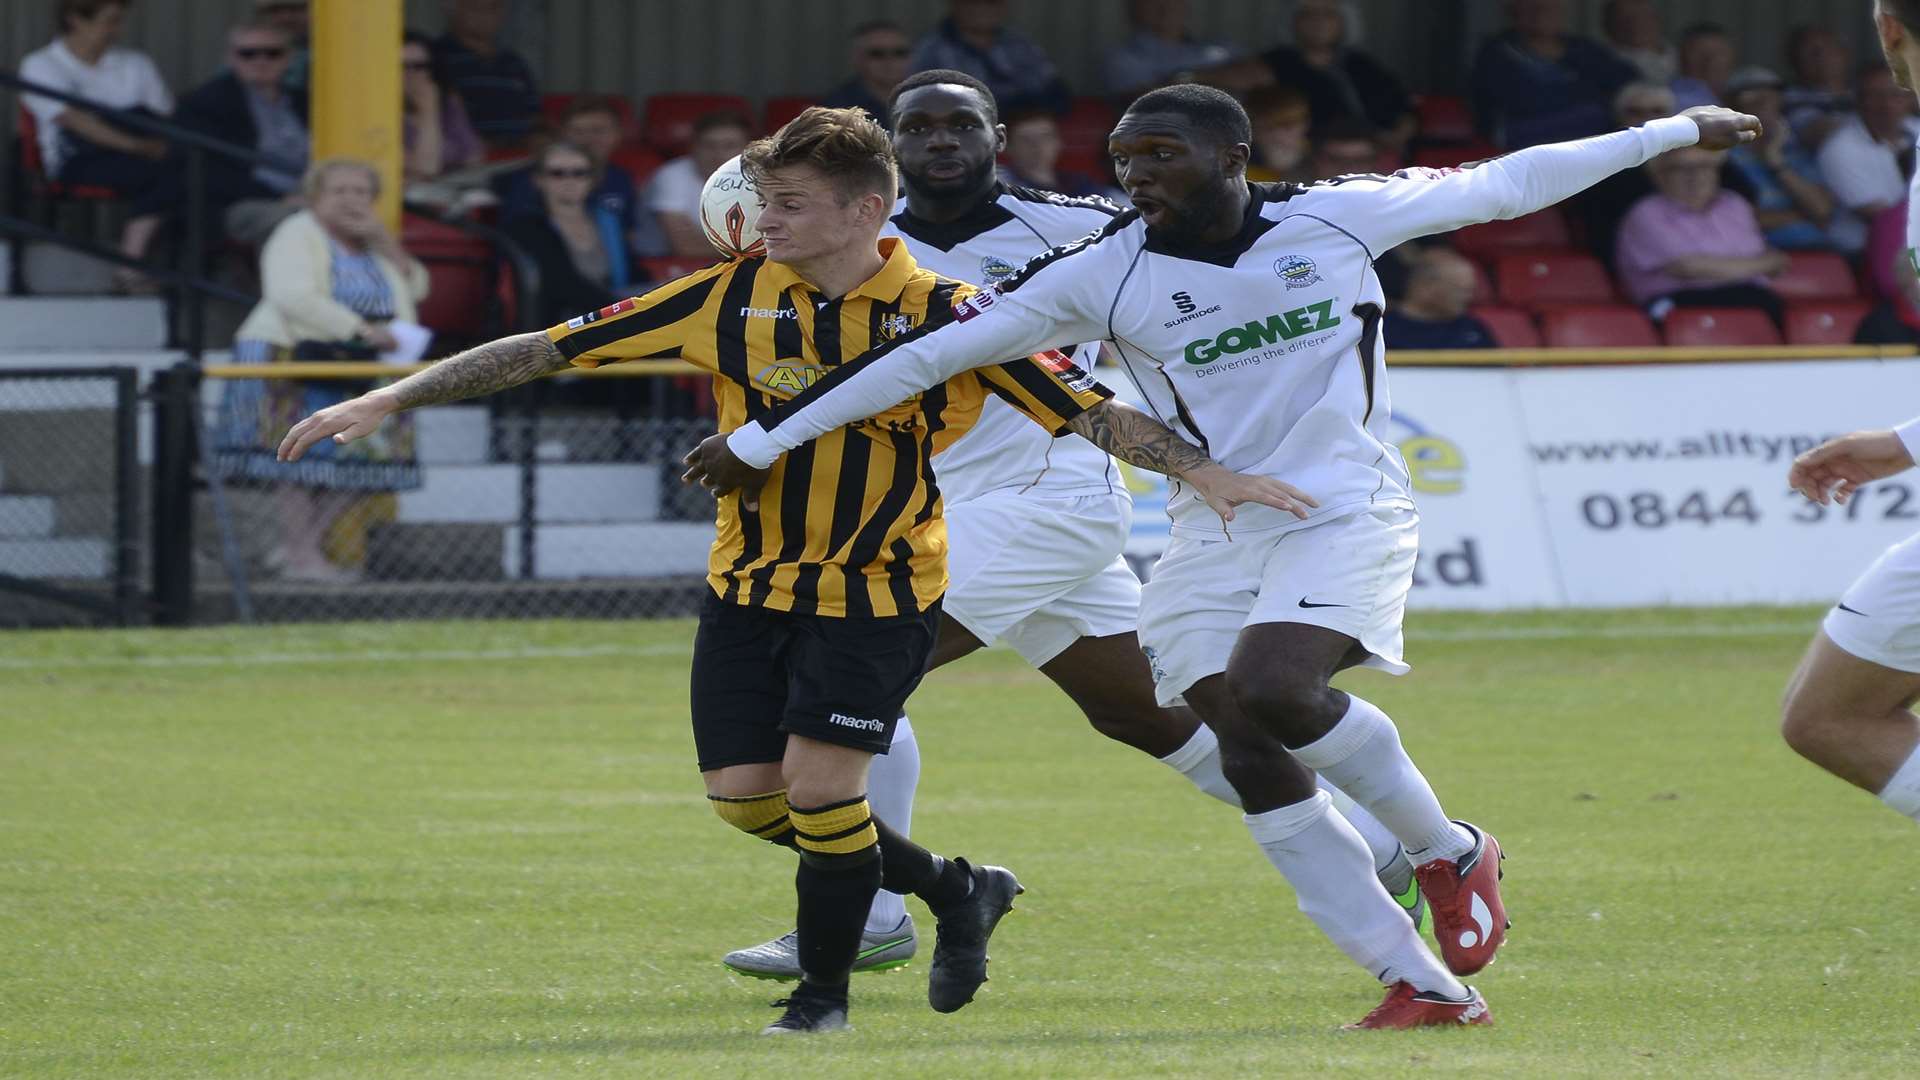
x=69, y=497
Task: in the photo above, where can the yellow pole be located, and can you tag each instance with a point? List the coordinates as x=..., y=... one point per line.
x=356, y=89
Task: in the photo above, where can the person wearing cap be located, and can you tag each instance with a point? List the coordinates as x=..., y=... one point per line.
x=1780, y=176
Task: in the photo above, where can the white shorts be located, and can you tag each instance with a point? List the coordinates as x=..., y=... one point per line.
x=1350, y=575
x=1878, y=618
x=1038, y=573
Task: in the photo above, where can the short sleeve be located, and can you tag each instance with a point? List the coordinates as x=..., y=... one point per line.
x=38, y=67
x=675, y=320
x=153, y=89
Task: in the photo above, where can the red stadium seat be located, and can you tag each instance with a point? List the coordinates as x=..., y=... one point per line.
x=1083, y=136
x=1825, y=322
x=1483, y=291
x=1553, y=278
x=1451, y=155
x=554, y=106
x=1720, y=326
x=1444, y=118
x=36, y=167
x=669, y=122
x=1512, y=328
x=669, y=267
x=639, y=160
x=462, y=302
x=782, y=109
x=1816, y=275
x=1598, y=326
x=1546, y=230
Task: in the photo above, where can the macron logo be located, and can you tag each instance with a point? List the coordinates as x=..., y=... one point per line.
x=856, y=723
x=768, y=313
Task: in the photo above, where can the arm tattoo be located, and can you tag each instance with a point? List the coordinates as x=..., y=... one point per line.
x=484, y=369
x=1138, y=439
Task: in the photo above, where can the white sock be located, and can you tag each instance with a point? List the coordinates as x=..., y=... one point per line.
x=1362, y=756
x=890, y=785
x=1199, y=761
x=1332, y=876
x=1379, y=839
x=1903, y=791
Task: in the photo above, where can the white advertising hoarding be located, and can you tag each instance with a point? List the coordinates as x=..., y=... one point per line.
x=1627, y=486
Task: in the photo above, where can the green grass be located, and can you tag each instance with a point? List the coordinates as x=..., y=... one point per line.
x=413, y=856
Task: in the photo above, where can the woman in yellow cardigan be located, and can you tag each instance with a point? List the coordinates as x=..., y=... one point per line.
x=332, y=277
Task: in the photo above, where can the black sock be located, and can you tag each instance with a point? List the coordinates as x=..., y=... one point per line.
x=840, y=870
x=910, y=868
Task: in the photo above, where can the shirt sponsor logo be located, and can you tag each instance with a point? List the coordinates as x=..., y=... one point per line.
x=1297, y=271
x=607, y=312
x=977, y=304
x=856, y=723
x=789, y=376
x=1189, y=310
x=768, y=313
x=994, y=269
x=1256, y=333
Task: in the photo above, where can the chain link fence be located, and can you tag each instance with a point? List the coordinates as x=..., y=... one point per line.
x=68, y=497
x=558, y=500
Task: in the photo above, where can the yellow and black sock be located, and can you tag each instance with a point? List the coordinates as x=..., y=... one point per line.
x=839, y=873
x=764, y=816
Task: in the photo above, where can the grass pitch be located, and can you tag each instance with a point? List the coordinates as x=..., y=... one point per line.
x=481, y=850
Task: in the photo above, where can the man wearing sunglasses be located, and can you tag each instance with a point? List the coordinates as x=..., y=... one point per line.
x=879, y=57
x=248, y=104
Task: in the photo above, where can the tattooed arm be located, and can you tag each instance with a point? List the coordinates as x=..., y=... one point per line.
x=1139, y=439
x=496, y=365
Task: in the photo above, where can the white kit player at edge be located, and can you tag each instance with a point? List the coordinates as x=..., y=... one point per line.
x=1036, y=525
x=1279, y=371
x=1848, y=707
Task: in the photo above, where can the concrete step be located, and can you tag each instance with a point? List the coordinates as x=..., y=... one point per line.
x=70, y=558
x=563, y=493
x=82, y=324
x=50, y=270
x=57, y=451
x=451, y=435
x=26, y=517
x=442, y=552
x=571, y=552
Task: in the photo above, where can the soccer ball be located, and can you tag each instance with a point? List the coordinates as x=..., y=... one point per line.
x=730, y=213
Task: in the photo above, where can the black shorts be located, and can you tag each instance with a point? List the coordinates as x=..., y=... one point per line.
x=761, y=675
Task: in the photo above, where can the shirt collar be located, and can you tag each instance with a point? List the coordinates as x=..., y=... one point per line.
x=885, y=286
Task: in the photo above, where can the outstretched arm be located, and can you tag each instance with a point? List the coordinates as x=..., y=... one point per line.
x=484, y=369
x=1138, y=439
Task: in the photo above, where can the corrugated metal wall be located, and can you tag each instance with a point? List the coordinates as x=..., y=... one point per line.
x=766, y=47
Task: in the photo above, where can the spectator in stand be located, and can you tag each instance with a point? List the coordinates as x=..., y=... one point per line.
x=1602, y=207
x=592, y=123
x=1707, y=58
x=332, y=278
x=974, y=38
x=1433, y=312
x=1033, y=157
x=1865, y=160
x=879, y=57
x=84, y=148
x=496, y=85
x=249, y=104
x=1780, y=177
x=1636, y=36
x=1537, y=83
x=1694, y=244
x=1340, y=80
x=1820, y=98
x=674, y=195
x=1346, y=145
x=579, y=245
x=1890, y=271
x=291, y=16
x=438, y=137
x=1282, y=123
x=1160, y=50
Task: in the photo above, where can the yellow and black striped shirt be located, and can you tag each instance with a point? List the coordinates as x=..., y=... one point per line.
x=849, y=524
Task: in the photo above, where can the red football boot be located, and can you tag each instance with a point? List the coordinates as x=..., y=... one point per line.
x=1406, y=1007
x=1469, y=920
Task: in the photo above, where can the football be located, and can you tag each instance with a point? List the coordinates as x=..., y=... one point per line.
x=730, y=212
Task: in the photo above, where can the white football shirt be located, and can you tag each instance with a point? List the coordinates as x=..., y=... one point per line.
x=985, y=247
x=1264, y=350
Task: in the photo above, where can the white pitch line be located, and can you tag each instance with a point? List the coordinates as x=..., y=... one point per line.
x=186, y=660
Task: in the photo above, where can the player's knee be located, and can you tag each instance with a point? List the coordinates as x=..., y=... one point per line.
x=764, y=815
x=1285, y=701
x=1806, y=724
x=1135, y=727
x=836, y=834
